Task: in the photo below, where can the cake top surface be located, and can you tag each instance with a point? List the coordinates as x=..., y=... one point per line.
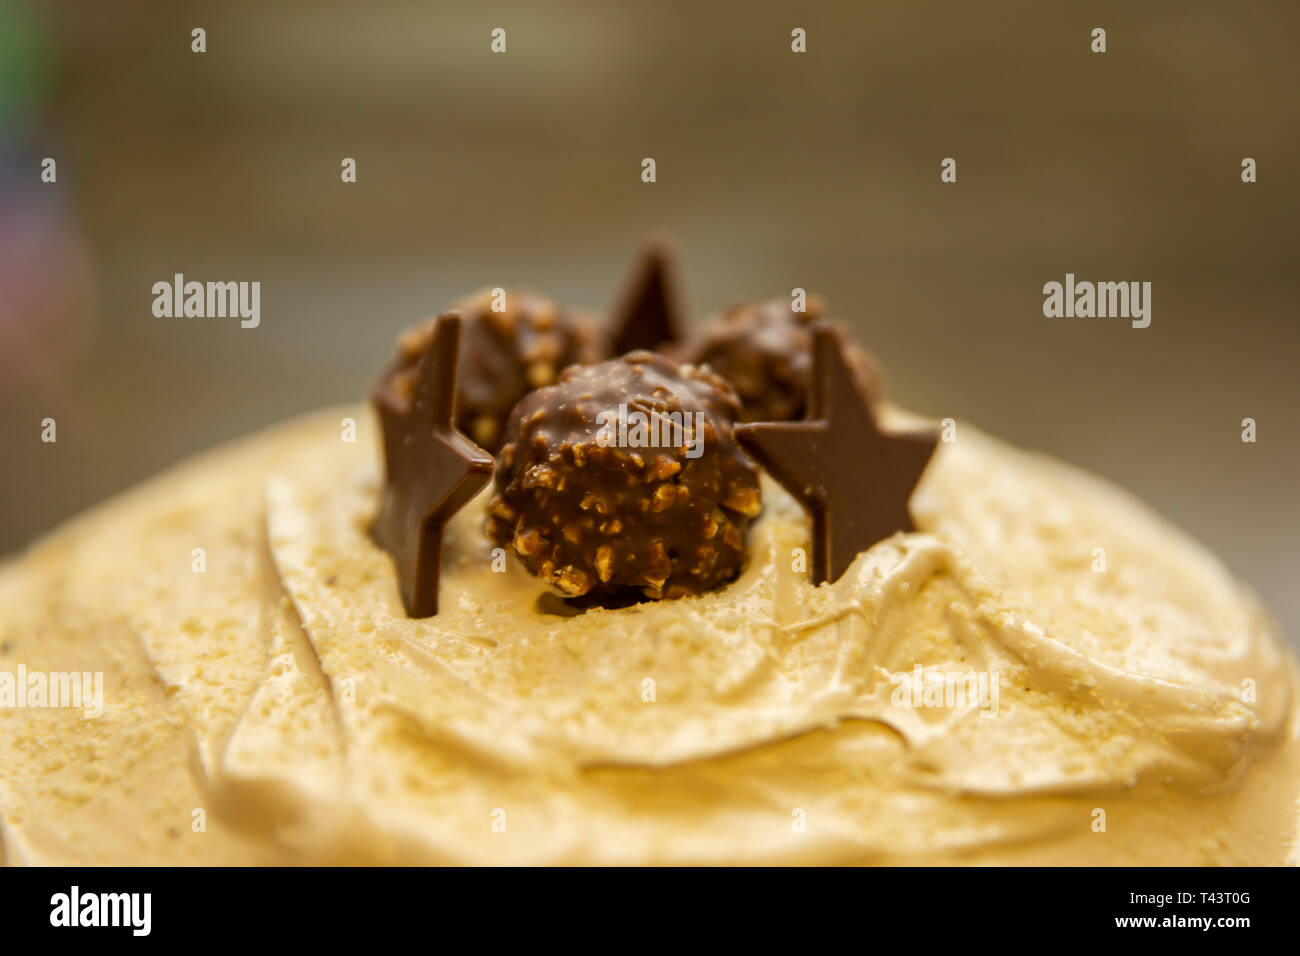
x=682, y=730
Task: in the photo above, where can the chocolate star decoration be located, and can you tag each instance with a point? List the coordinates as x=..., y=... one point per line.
x=648, y=311
x=432, y=470
x=853, y=479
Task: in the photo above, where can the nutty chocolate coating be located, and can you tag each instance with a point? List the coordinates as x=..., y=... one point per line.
x=593, y=510
x=764, y=349
x=503, y=356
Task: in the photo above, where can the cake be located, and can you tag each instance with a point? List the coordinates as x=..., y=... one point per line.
x=1038, y=671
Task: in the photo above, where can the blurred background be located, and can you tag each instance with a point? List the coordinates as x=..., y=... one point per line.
x=775, y=170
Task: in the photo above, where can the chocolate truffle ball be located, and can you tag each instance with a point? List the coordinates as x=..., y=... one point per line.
x=624, y=477
x=764, y=349
x=503, y=356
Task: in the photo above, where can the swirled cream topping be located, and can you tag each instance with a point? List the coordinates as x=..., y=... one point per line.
x=1044, y=672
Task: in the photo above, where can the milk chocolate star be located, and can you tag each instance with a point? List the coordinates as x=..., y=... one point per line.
x=648, y=311
x=853, y=479
x=432, y=470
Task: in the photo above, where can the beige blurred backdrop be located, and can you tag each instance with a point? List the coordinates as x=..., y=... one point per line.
x=775, y=170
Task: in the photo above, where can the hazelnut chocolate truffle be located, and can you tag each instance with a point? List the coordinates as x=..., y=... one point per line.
x=503, y=356
x=625, y=477
x=764, y=349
